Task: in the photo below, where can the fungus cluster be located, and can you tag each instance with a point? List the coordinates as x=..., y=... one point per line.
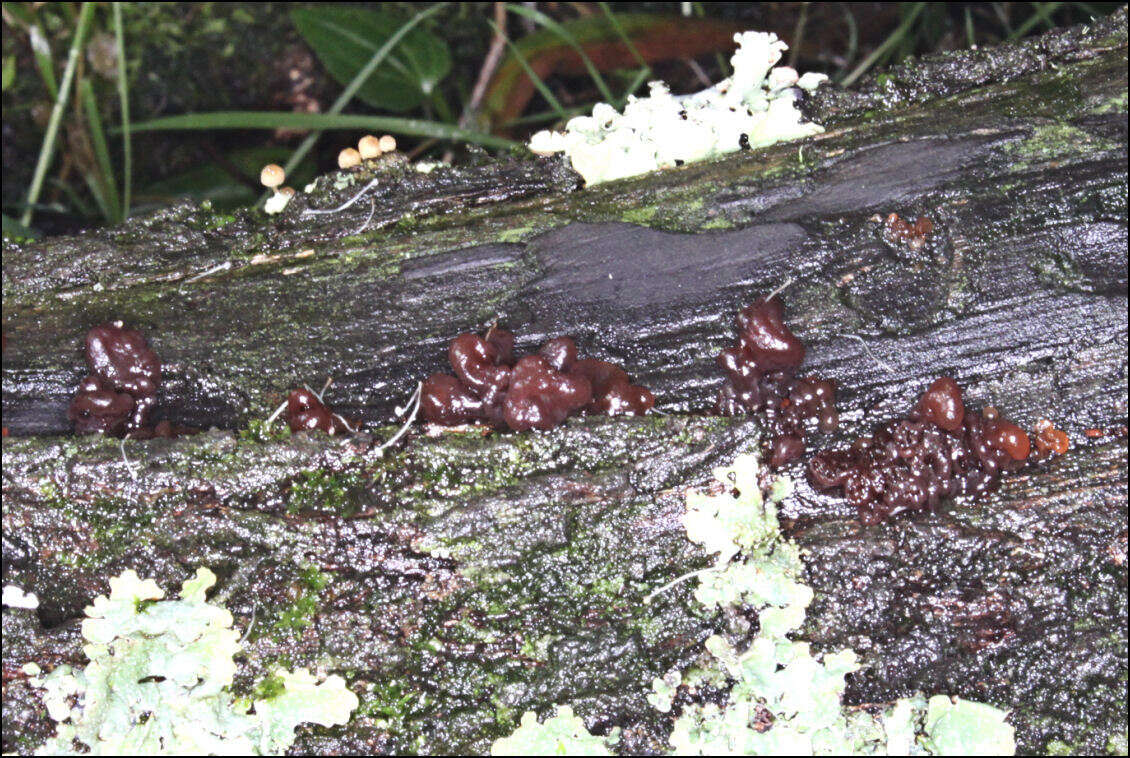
x=538, y=391
x=272, y=176
x=912, y=234
x=760, y=376
x=120, y=391
x=756, y=106
x=941, y=449
x=368, y=148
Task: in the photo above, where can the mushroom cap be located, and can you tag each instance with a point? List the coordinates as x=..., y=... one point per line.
x=369, y=147
x=348, y=158
x=272, y=175
x=388, y=143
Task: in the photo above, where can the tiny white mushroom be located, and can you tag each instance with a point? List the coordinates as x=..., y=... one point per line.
x=348, y=158
x=387, y=143
x=369, y=147
x=272, y=176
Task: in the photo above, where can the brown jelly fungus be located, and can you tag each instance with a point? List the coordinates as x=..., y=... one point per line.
x=941, y=449
x=538, y=391
x=760, y=376
x=941, y=404
x=305, y=412
x=912, y=234
x=121, y=389
x=1049, y=439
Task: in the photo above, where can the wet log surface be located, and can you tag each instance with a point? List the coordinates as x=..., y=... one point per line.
x=460, y=580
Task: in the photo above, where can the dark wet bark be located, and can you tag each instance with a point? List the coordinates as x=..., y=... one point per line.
x=472, y=578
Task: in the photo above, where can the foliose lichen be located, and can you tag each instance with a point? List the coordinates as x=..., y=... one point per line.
x=563, y=734
x=159, y=682
x=781, y=699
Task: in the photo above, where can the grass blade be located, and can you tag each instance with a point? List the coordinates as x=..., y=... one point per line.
x=1040, y=12
x=896, y=37
x=539, y=83
x=319, y=121
x=47, y=149
x=645, y=72
x=123, y=99
x=535, y=15
x=105, y=177
x=41, y=49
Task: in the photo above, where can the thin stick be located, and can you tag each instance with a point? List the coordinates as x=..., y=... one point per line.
x=780, y=289
x=250, y=624
x=416, y=398
x=123, y=99
x=346, y=204
x=320, y=395
x=490, y=63
x=125, y=459
x=886, y=366
x=220, y=267
x=275, y=415
x=677, y=580
x=372, y=210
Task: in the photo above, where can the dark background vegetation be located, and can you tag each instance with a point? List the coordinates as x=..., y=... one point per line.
x=461, y=66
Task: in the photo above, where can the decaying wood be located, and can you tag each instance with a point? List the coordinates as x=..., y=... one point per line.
x=473, y=577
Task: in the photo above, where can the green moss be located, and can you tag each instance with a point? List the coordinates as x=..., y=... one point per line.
x=1116, y=104
x=1055, y=141
x=259, y=432
x=639, y=215
x=519, y=234
x=307, y=586
x=719, y=222
x=321, y=491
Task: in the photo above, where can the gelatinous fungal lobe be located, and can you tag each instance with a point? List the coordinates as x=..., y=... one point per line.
x=1050, y=440
x=98, y=407
x=912, y=234
x=121, y=389
x=760, y=372
x=478, y=364
x=541, y=397
x=305, y=412
x=941, y=449
x=763, y=336
x=941, y=404
x=613, y=393
x=122, y=357
x=537, y=392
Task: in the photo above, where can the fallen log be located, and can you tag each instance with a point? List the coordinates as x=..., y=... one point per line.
x=458, y=581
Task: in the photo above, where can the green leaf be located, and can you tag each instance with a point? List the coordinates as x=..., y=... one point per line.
x=344, y=38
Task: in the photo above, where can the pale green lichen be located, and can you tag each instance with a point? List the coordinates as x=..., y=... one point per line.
x=782, y=699
x=754, y=107
x=159, y=682
x=563, y=734
x=785, y=700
